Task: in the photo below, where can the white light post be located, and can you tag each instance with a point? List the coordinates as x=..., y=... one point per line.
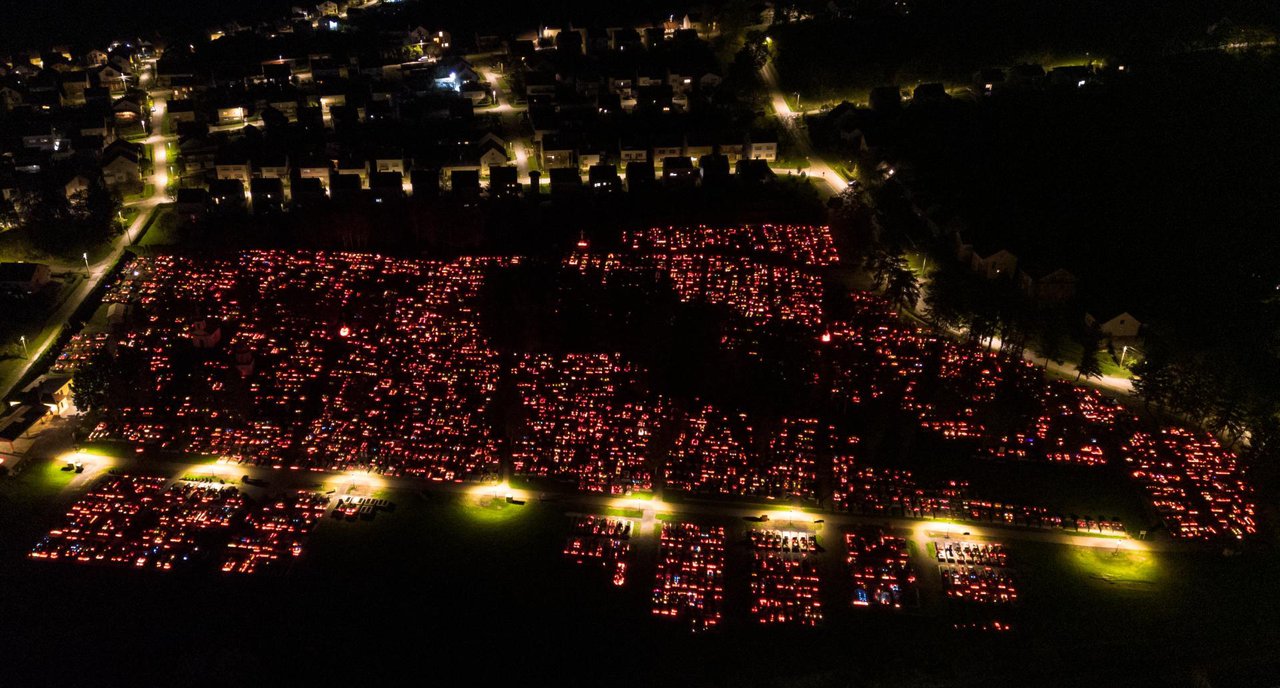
x=85, y=255
x=23, y=339
x=1123, y=352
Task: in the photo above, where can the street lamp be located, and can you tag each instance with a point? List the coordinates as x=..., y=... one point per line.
x=85, y=255
x=23, y=339
x=1123, y=351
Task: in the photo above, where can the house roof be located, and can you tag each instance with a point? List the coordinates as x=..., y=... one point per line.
x=19, y=272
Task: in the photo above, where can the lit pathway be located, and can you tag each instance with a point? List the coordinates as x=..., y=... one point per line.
x=817, y=166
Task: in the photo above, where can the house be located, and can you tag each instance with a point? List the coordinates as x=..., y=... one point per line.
x=754, y=171
x=566, y=183
x=679, y=172
x=308, y=192
x=589, y=157
x=356, y=166
x=271, y=164
x=987, y=81
x=1122, y=326
x=932, y=93
x=640, y=175
x=1047, y=286
x=668, y=147
x=989, y=262
x=715, y=169
x=227, y=195
x=386, y=186
x=1071, y=75
x=180, y=111
x=10, y=98
x=314, y=167
x=557, y=152
x=23, y=277
x=733, y=149
x=122, y=171
x=191, y=204
x=632, y=151
x=604, y=179
x=128, y=110
x=77, y=187
x=425, y=183
x=346, y=188
x=267, y=195
x=492, y=154
x=389, y=161
x=763, y=146
x=232, y=113
x=232, y=163
x=465, y=183
x=699, y=146
x=110, y=78
x=504, y=181
x=197, y=154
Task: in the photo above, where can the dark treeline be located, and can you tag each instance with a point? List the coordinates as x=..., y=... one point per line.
x=865, y=44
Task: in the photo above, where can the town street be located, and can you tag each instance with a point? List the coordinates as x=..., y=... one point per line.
x=146, y=207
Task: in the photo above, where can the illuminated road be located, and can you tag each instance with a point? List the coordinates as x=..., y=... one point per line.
x=509, y=114
x=790, y=119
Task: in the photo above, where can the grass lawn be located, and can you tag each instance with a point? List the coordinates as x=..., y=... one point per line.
x=1121, y=566
x=161, y=229
x=1110, y=367
x=146, y=192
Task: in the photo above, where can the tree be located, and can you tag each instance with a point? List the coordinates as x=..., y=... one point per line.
x=901, y=287
x=66, y=227
x=1050, y=337
x=946, y=296
x=880, y=263
x=1089, y=366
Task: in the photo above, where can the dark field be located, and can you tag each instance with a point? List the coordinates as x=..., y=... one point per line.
x=438, y=585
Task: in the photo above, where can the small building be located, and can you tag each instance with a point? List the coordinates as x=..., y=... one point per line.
x=227, y=195
x=640, y=175
x=24, y=277
x=492, y=154
x=1047, y=286
x=232, y=163
x=267, y=195
x=931, y=93
x=1122, y=326
x=566, y=183
x=191, y=204
x=989, y=261
x=557, y=153
x=308, y=192
x=754, y=171
x=386, y=187
x=504, y=181
x=763, y=147
x=465, y=183
x=604, y=178
x=679, y=172
x=122, y=170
